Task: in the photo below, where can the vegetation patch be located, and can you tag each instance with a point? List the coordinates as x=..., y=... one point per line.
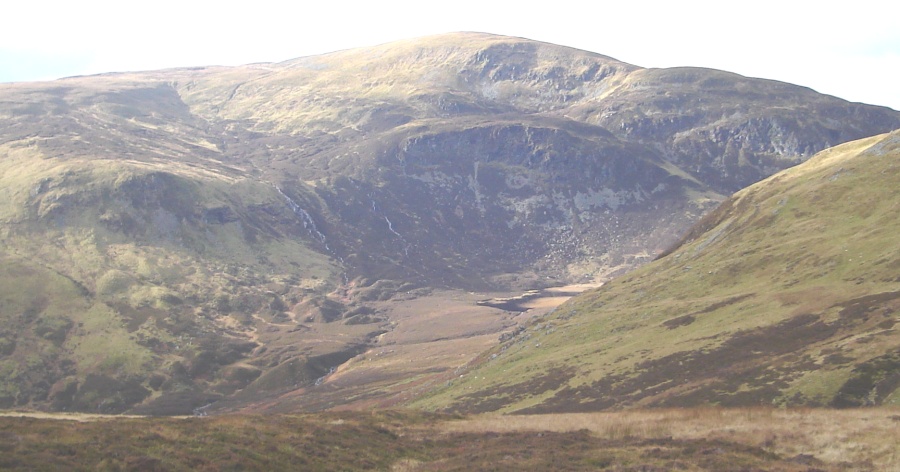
x=496, y=397
x=870, y=382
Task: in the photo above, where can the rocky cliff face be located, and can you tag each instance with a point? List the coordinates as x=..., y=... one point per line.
x=263, y=206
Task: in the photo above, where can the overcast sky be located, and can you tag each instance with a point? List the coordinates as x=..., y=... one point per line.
x=852, y=52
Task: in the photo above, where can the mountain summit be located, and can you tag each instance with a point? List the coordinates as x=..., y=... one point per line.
x=172, y=238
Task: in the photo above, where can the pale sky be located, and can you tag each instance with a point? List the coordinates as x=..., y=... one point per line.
x=851, y=51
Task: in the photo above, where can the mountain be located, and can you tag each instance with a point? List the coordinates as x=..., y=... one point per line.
x=175, y=238
x=787, y=294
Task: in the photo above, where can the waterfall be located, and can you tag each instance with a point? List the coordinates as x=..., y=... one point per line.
x=310, y=226
x=390, y=227
x=306, y=219
x=321, y=380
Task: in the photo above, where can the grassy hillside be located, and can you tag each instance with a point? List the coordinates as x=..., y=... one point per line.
x=787, y=294
x=125, y=282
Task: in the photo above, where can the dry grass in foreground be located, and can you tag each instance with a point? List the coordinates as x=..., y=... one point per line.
x=80, y=417
x=659, y=440
x=852, y=439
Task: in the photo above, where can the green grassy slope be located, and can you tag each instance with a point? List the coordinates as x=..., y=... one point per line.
x=125, y=282
x=787, y=294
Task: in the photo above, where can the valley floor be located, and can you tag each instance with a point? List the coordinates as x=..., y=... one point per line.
x=752, y=439
x=429, y=340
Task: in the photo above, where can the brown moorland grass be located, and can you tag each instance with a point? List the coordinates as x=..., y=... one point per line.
x=704, y=439
x=851, y=439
